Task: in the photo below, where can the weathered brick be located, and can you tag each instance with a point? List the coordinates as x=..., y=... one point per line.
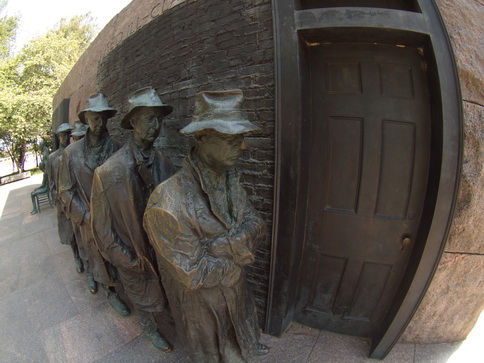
x=206, y=45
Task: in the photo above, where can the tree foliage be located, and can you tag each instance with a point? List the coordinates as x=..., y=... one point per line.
x=8, y=31
x=29, y=81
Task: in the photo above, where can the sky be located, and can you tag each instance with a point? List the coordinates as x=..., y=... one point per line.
x=38, y=16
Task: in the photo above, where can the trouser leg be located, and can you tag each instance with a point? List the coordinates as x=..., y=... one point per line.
x=147, y=321
x=77, y=258
x=150, y=327
x=114, y=300
x=34, y=203
x=91, y=283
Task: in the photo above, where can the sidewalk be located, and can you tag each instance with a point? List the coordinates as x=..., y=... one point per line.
x=47, y=314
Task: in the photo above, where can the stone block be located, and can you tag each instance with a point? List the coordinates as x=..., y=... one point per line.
x=463, y=20
x=452, y=303
x=468, y=224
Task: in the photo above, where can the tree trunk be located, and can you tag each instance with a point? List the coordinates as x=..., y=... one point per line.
x=22, y=152
x=17, y=154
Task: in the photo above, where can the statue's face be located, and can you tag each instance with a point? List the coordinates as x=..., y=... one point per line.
x=221, y=151
x=146, y=124
x=96, y=121
x=63, y=138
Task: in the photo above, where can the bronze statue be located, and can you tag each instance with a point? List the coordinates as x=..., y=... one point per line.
x=204, y=231
x=44, y=187
x=120, y=191
x=75, y=180
x=79, y=131
x=64, y=225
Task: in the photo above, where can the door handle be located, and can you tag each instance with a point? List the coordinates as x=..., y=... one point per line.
x=406, y=242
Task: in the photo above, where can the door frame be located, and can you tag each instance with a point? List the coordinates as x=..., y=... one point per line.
x=293, y=29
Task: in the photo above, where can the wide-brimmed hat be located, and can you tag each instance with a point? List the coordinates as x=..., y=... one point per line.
x=97, y=103
x=80, y=129
x=65, y=127
x=144, y=97
x=220, y=111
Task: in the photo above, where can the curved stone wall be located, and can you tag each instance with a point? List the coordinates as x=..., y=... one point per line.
x=193, y=45
x=455, y=297
x=81, y=81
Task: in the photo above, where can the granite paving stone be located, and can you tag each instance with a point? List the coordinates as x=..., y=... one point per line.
x=435, y=353
x=24, y=252
x=400, y=353
x=89, y=336
x=48, y=303
x=126, y=327
x=81, y=297
x=33, y=224
x=9, y=229
x=141, y=350
x=23, y=263
x=22, y=276
x=53, y=241
x=19, y=340
x=336, y=348
x=283, y=349
x=65, y=266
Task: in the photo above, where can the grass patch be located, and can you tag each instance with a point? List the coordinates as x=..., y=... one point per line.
x=35, y=171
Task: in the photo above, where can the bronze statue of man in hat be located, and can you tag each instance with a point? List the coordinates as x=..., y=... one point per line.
x=44, y=166
x=64, y=225
x=204, y=231
x=120, y=191
x=79, y=160
x=79, y=131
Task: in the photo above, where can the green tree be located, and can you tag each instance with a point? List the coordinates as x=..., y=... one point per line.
x=30, y=79
x=8, y=31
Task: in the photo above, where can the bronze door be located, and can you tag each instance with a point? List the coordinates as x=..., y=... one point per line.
x=368, y=160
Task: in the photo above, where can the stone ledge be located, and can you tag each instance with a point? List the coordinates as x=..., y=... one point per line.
x=14, y=177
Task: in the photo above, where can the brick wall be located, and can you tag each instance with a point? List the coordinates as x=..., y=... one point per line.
x=206, y=45
x=80, y=83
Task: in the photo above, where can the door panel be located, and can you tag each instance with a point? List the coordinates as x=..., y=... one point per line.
x=344, y=164
x=369, y=146
x=396, y=169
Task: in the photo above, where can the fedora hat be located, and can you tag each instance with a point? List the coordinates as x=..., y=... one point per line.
x=144, y=97
x=220, y=111
x=97, y=103
x=80, y=129
x=65, y=127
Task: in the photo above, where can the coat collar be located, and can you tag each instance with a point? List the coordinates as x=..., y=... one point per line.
x=94, y=157
x=144, y=166
x=227, y=200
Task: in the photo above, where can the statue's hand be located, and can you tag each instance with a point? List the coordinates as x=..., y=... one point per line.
x=220, y=247
x=141, y=266
x=87, y=218
x=241, y=253
x=134, y=264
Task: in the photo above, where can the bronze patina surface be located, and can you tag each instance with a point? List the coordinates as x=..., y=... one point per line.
x=204, y=231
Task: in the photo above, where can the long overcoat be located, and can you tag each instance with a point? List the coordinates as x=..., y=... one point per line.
x=74, y=189
x=201, y=251
x=64, y=225
x=120, y=191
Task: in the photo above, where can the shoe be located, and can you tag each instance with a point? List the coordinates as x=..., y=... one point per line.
x=262, y=349
x=118, y=305
x=79, y=266
x=159, y=342
x=91, y=283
